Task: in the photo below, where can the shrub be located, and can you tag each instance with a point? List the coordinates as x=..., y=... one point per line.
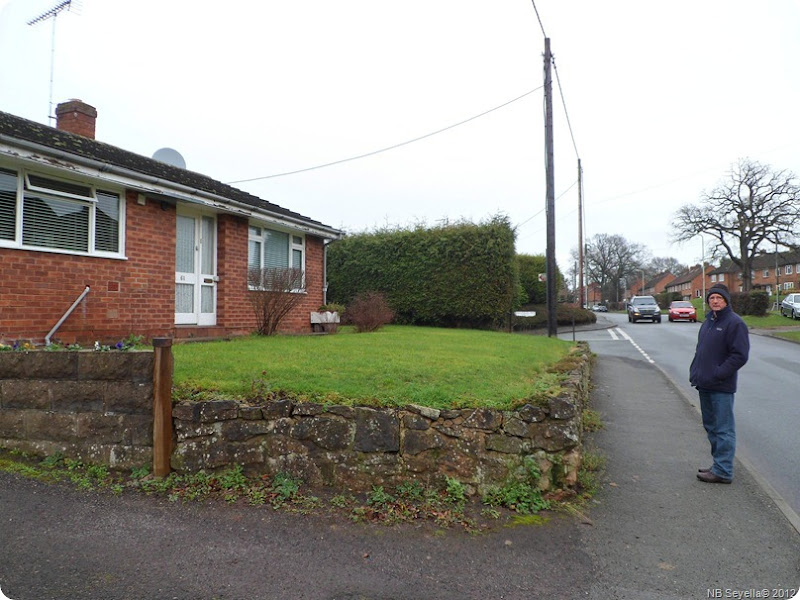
x=271, y=296
x=750, y=303
x=369, y=312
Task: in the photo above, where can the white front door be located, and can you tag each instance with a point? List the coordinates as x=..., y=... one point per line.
x=196, y=270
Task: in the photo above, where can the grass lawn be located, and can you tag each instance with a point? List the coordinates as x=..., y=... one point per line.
x=793, y=336
x=395, y=366
x=771, y=321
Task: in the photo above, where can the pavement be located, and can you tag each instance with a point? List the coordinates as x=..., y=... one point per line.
x=653, y=532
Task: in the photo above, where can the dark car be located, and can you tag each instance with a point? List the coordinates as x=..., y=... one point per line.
x=682, y=310
x=643, y=307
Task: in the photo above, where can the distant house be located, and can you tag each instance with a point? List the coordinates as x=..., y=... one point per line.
x=690, y=283
x=773, y=271
x=140, y=246
x=652, y=286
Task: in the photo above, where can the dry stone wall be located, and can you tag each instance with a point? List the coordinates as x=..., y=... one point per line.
x=92, y=406
x=358, y=447
x=98, y=407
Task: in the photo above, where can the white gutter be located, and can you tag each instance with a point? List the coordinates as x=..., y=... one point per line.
x=134, y=180
x=66, y=314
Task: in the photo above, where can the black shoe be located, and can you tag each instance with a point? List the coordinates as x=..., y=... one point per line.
x=709, y=477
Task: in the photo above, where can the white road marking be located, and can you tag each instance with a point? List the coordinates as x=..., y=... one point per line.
x=635, y=345
x=612, y=334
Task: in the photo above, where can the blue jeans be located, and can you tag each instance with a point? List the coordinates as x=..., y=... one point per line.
x=717, y=411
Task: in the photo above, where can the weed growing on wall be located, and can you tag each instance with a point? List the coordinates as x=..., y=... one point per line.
x=445, y=507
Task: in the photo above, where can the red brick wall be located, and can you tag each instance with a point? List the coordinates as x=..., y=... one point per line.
x=137, y=295
x=234, y=311
x=126, y=296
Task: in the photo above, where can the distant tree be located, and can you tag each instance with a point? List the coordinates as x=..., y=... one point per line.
x=662, y=265
x=611, y=259
x=754, y=205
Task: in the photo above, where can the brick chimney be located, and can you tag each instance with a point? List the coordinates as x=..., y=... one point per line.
x=75, y=116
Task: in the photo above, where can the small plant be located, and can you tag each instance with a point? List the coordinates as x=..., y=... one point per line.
x=369, y=312
x=411, y=490
x=340, y=501
x=6, y=348
x=520, y=494
x=455, y=492
x=285, y=489
x=591, y=420
x=379, y=497
x=140, y=472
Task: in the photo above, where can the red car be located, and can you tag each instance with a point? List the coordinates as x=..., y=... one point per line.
x=682, y=310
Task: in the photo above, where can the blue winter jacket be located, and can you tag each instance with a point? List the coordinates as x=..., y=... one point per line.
x=723, y=346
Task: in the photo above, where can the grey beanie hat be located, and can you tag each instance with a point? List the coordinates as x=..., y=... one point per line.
x=722, y=290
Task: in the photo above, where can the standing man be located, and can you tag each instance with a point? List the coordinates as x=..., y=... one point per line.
x=723, y=345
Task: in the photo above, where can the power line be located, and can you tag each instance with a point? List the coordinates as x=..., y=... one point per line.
x=518, y=225
x=538, y=17
x=374, y=152
x=566, y=113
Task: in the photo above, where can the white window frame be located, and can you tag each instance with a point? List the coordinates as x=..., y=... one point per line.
x=789, y=285
x=721, y=277
x=296, y=242
x=89, y=199
x=787, y=270
x=765, y=273
x=713, y=279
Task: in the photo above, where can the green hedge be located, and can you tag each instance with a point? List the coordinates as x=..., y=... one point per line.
x=462, y=274
x=755, y=304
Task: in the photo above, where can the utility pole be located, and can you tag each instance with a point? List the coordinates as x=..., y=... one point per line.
x=580, y=236
x=552, y=325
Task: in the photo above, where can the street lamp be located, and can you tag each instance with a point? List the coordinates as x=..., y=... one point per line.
x=703, y=269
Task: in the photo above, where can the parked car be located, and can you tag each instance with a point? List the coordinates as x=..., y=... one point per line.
x=643, y=307
x=790, y=307
x=680, y=310
x=599, y=308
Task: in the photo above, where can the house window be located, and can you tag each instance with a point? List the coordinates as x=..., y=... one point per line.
x=765, y=273
x=787, y=270
x=721, y=277
x=788, y=285
x=713, y=278
x=52, y=214
x=275, y=256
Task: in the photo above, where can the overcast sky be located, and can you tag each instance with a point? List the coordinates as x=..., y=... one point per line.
x=662, y=99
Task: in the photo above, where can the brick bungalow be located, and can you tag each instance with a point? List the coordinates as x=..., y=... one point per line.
x=139, y=246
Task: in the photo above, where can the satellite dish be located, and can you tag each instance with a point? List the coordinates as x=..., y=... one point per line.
x=171, y=157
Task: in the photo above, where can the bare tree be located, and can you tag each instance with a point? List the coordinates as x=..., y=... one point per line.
x=610, y=259
x=273, y=294
x=664, y=264
x=752, y=206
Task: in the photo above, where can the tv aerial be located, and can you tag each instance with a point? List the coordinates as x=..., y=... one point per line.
x=53, y=13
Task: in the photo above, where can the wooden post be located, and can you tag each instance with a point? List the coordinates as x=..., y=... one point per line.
x=162, y=406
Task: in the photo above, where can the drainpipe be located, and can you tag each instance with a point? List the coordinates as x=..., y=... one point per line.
x=66, y=314
x=325, y=269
